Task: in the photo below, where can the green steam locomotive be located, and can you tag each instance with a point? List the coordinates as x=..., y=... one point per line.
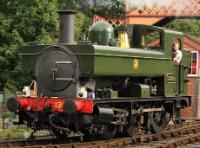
x=117, y=81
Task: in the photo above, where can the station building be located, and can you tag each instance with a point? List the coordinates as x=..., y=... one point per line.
x=193, y=45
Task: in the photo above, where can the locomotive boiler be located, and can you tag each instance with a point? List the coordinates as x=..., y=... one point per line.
x=117, y=81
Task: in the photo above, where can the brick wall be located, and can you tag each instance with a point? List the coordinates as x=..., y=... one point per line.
x=192, y=111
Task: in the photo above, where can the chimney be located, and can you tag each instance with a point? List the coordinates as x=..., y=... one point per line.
x=66, y=26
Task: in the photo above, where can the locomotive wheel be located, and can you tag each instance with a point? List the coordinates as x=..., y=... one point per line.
x=156, y=121
x=133, y=128
x=109, y=132
x=176, y=116
x=58, y=134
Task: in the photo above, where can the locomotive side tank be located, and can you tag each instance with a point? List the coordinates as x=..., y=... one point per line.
x=119, y=80
x=111, y=61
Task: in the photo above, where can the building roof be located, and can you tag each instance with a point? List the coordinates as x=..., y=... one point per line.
x=192, y=42
x=114, y=22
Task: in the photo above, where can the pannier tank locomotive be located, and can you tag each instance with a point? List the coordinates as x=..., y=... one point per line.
x=117, y=81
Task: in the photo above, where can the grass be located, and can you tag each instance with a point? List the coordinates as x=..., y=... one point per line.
x=19, y=133
x=12, y=133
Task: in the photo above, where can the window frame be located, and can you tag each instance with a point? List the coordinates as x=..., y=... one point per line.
x=197, y=65
x=156, y=48
x=146, y=30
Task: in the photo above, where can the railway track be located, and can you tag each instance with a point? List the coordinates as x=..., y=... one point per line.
x=184, y=135
x=26, y=142
x=178, y=137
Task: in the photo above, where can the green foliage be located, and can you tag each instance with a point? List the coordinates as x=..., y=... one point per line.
x=22, y=22
x=13, y=133
x=37, y=19
x=152, y=36
x=188, y=26
x=115, y=10
x=10, y=41
x=81, y=25
x=78, y=5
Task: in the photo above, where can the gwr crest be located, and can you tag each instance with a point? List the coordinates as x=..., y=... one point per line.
x=135, y=64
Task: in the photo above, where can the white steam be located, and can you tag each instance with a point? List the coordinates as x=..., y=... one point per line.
x=147, y=3
x=178, y=5
x=27, y=134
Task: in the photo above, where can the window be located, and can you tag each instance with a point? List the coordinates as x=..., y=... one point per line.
x=147, y=38
x=153, y=40
x=193, y=70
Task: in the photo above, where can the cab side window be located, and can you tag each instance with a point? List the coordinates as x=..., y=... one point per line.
x=149, y=39
x=153, y=40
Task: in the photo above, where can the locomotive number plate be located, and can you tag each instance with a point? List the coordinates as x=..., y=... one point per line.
x=171, y=78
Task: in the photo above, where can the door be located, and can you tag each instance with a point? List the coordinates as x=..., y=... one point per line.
x=177, y=60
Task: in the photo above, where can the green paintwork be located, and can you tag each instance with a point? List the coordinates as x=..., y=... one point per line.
x=113, y=94
x=109, y=61
x=140, y=90
x=103, y=61
x=29, y=56
x=101, y=33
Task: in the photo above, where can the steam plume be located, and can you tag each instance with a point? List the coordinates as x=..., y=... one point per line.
x=178, y=5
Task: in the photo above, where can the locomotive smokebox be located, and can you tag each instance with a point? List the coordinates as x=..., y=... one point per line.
x=66, y=26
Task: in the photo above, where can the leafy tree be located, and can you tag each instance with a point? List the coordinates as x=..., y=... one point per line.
x=37, y=19
x=78, y=5
x=81, y=25
x=189, y=26
x=115, y=10
x=22, y=22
